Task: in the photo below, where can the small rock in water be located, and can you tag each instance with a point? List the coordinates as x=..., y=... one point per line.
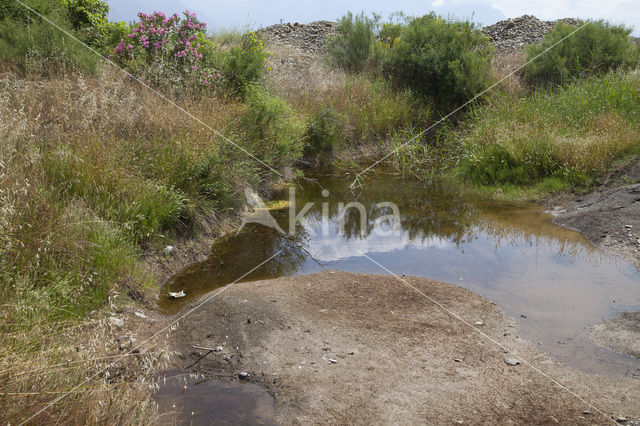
x=116, y=321
x=177, y=295
x=332, y=361
x=512, y=361
x=243, y=374
x=479, y=323
x=169, y=250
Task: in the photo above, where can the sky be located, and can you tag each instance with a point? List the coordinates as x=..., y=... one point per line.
x=260, y=13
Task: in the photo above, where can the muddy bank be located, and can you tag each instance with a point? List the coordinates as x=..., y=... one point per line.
x=340, y=347
x=620, y=333
x=610, y=217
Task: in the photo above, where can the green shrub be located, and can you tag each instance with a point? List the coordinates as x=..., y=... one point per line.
x=595, y=49
x=323, y=135
x=88, y=18
x=271, y=129
x=29, y=44
x=351, y=46
x=440, y=59
x=242, y=65
x=572, y=134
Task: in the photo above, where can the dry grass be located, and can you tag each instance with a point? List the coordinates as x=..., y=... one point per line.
x=503, y=67
x=92, y=171
x=51, y=360
x=372, y=110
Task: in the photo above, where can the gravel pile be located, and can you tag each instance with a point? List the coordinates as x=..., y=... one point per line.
x=512, y=35
x=508, y=36
x=308, y=37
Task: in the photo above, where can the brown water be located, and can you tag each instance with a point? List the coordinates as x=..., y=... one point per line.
x=193, y=400
x=552, y=280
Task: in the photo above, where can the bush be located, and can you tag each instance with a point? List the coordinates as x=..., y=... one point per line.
x=351, y=46
x=243, y=65
x=271, y=129
x=30, y=45
x=165, y=52
x=88, y=18
x=593, y=50
x=572, y=134
x=440, y=59
x=323, y=135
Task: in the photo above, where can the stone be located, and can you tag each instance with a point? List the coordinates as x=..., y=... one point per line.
x=117, y=322
x=243, y=375
x=511, y=361
x=332, y=361
x=169, y=250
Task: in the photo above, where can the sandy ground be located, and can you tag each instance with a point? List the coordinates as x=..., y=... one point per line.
x=337, y=347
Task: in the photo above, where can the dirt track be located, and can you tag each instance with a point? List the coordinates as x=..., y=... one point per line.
x=399, y=357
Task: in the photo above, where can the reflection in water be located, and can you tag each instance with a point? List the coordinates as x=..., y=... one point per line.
x=510, y=253
x=192, y=400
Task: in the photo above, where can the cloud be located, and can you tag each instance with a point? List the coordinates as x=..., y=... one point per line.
x=438, y=3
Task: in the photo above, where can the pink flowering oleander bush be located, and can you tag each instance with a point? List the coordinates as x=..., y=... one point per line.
x=167, y=52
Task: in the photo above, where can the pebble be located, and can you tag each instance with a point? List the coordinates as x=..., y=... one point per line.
x=621, y=419
x=479, y=323
x=332, y=361
x=169, y=250
x=243, y=374
x=226, y=358
x=116, y=321
x=511, y=361
x=218, y=349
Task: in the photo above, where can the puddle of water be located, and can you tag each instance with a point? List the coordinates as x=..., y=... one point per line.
x=191, y=400
x=510, y=253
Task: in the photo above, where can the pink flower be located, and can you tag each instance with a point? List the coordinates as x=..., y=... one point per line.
x=157, y=44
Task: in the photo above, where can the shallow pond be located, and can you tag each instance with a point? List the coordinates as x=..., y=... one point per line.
x=552, y=280
x=193, y=400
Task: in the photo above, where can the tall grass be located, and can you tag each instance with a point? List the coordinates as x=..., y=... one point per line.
x=94, y=174
x=572, y=133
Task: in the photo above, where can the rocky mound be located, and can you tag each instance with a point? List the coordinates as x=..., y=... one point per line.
x=512, y=35
x=308, y=37
x=508, y=36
